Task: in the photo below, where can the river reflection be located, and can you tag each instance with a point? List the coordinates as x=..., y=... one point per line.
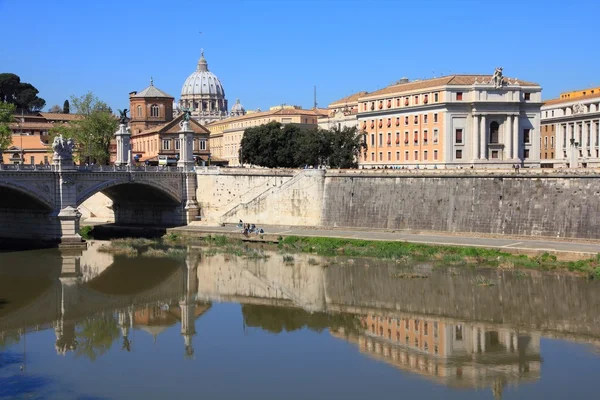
x=88, y=324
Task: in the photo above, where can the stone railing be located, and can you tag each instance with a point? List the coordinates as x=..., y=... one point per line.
x=128, y=168
x=90, y=168
x=25, y=167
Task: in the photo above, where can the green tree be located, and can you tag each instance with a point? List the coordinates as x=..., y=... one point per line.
x=275, y=145
x=6, y=116
x=55, y=109
x=88, y=103
x=66, y=107
x=93, y=132
x=96, y=335
x=23, y=95
x=345, y=147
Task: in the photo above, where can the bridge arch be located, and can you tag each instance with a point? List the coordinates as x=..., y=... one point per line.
x=14, y=195
x=119, y=187
x=148, y=200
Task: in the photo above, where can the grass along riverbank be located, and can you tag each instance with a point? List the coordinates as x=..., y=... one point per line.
x=173, y=245
x=442, y=255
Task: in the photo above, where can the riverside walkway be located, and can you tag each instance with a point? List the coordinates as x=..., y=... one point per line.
x=563, y=248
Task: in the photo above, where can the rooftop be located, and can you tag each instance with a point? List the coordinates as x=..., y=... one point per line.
x=318, y=112
x=175, y=123
x=572, y=99
x=152, y=91
x=450, y=80
x=353, y=98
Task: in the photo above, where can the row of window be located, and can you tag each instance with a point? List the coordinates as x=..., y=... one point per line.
x=425, y=156
x=588, y=126
x=413, y=100
x=150, y=145
x=406, y=138
x=494, y=137
x=245, y=124
x=415, y=119
x=494, y=154
x=545, y=142
x=154, y=110
x=416, y=324
x=166, y=144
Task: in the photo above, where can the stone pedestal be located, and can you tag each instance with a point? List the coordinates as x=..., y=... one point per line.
x=186, y=147
x=191, y=208
x=573, y=154
x=69, y=225
x=123, y=138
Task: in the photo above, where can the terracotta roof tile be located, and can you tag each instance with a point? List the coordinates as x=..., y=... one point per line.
x=572, y=99
x=438, y=82
x=61, y=117
x=353, y=98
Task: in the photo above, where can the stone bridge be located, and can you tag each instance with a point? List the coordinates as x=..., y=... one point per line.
x=40, y=202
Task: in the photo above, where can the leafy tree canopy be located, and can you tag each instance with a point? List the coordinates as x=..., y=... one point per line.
x=55, y=109
x=66, y=107
x=274, y=145
x=23, y=95
x=6, y=116
x=94, y=131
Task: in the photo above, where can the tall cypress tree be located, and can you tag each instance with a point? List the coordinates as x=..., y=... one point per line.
x=66, y=107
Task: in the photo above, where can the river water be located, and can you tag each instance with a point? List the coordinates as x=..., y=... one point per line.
x=90, y=325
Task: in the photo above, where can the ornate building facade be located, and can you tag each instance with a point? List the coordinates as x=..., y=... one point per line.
x=570, y=128
x=203, y=94
x=342, y=113
x=454, y=121
x=154, y=130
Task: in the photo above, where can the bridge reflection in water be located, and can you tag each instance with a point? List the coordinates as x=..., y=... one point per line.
x=445, y=327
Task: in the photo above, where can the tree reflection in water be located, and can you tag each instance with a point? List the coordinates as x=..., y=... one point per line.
x=278, y=319
x=95, y=336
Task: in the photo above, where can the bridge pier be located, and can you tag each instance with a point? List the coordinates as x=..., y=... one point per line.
x=186, y=163
x=68, y=215
x=187, y=305
x=70, y=279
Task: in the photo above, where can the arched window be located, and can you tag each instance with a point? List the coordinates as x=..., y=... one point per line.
x=494, y=128
x=154, y=110
x=139, y=111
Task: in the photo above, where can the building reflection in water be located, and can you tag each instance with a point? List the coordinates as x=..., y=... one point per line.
x=458, y=354
x=358, y=303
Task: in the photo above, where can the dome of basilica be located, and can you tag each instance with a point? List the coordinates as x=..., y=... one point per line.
x=237, y=109
x=203, y=94
x=202, y=82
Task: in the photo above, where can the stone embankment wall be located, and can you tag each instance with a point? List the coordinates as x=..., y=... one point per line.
x=261, y=196
x=530, y=204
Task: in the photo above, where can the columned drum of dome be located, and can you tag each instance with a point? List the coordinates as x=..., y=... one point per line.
x=203, y=94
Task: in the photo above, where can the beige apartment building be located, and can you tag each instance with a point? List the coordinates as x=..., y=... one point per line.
x=226, y=135
x=453, y=121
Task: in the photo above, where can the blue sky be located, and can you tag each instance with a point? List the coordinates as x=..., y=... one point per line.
x=273, y=52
